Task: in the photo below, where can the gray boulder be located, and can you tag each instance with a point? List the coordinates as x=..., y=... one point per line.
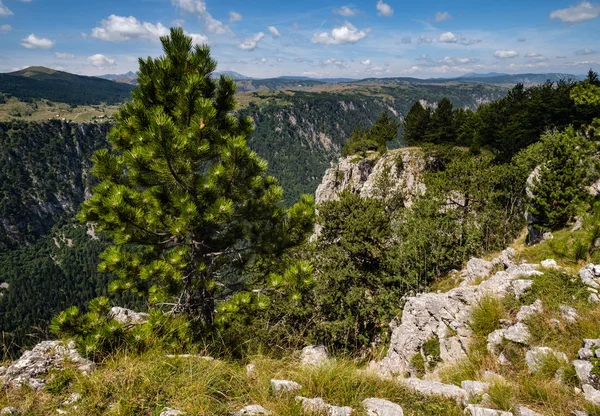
x=591, y=394
x=536, y=356
x=45, y=356
x=252, y=410
x=380, y=407
x=171, y=412
x=10, y=411
x=589, y=276
x=317, y=406
x=585, y=353
x=475, y=388
x=494, y=340
x=127, y=316
x=314, y=355
x=521, y=286
x=476, y=410
x=518, y=333
x=584, y=370
x=569, y=313
x=477, y=269
x=284, y=386
x=549, y=264
x=523, y=411
x=434, y=388
x=530, y=310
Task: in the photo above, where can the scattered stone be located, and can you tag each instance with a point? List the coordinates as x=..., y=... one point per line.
x=590, y=343
x=503, y=360
x=593, y=298
x=583, y=370
x=284, y=386
x=251, y=370
x=569, y=313
x=477, y=269
x=585, y=353
x=317, y=406
x=591, y=394
x=171, y=412
x=521, y=286
x=475, y=388
x=547, y=236
x=528, y=311
x=536, y=356
x=380, y=407
x=506, y=258
x=314, y=355
x=127, y=316
x=476, y=410
x=578, y=224
x=45, y=356
x=588, y=276
x=549, y=264
x=253, y=409
x=523, y=411
x=73, y=398
x=10, y=411
x=518, y=333
x=434, y=388
x=494, y=340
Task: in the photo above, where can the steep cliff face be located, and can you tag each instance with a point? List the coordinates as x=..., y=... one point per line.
x=375, y=176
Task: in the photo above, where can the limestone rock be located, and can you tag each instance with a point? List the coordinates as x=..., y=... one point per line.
x=506, y=258
x=528, y=311
x=583, y=370
x=171, y=412
x=523, y=411
x=588, y=276
x=477, y=269
x=252, y=410
x=380, y=407
x=536, y=356
x=284, y=386
x=475, y=388
x=521, y=286
x=73, y=398
x=317, y=406
x=45, y=356
x=547, y=236
x=10, y=411
x=569, y=313
x=579, y=413
x=434, y=388
x=127, y=316
x=585, y=353
x=593, y=298
x=494, y=340
x=476, y=410
x=251, y=370
x=591, y=394
x=314, y=355
x=518, y=333
x=590, y=343
x=549, y=264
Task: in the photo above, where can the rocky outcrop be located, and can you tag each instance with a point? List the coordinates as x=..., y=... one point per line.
x=380, y=407
x=446, y=317
x=433, y=388
x=47, y=355
x=284, y=386
x=314, y=355
x=402, y=168
x=537, y=356
x=127, y=316
x=317, y=406
x=590, y=276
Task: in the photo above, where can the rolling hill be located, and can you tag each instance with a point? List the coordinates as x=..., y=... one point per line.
x=43, y=83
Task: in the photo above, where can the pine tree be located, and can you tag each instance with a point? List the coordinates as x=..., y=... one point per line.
x=376, y=138
x=415, y=124
x=189, y=206
x=441, y=129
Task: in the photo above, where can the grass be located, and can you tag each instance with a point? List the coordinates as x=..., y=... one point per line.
x=144, y=384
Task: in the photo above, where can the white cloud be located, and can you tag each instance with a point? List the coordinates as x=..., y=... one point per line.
x=586, y=51
x=335, y=62
x=340, y=35
x=534, y=56
x=121, y=28
x=197, y=38
x=5, y=28
x=384, y=9
x=234, y=17
x=576, y=14
x=442, y=16
x=274, y=31
x=198, y=7
x=506, y=54
x=101, y=61
x=366, y=62
x=33, y=42
x=424, y=39
x=64, y=55
x=448, y=37
x=346, y=11
x=251, y=43
x=4, y=11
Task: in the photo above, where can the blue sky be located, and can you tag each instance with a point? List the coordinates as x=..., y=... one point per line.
x=318, y=38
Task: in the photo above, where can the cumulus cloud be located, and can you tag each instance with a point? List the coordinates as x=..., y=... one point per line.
x=576, y=14
x=101, y=61
x=5, y=28
x=346, y=11
x=198, y=7
x=234, y=17
x=448, y=37
x=406, y=40
x=33, y=42
x=442, y=16
x=447, y=61
x=384, y=9
x=335, y=62
x=366, y=62
x=4, y=11
x=506, y=54
x=586, y=51
x=64, y=55
x=121, y=28
x=340, y=35
x=251, y=43
x=274, y=31
x=197, y=38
